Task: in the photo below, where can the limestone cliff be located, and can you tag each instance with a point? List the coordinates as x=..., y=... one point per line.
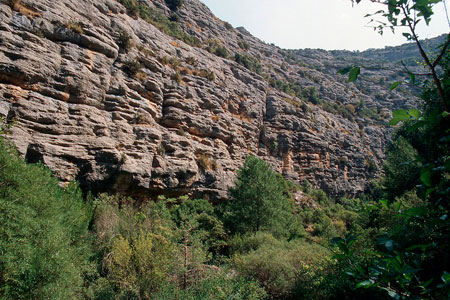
x=105, y=97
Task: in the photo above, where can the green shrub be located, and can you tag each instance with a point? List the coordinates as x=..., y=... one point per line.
x=208, y=75
x=136, y=245
x=243, y=45
x=159, y=20
x=249, y=62
x=124, y=41
x=217, y=285
x=177, y=77
x=222, y=52
x=280, y=266
x=228, y=26
x=215, y=47
x=174, y=17
x=363, y=111
x=199, y=215
x=243, y=244
x=132, y=67
x=309, y=94
x=400, y=176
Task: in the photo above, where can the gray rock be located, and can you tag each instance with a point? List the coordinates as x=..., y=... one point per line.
x=184, y=120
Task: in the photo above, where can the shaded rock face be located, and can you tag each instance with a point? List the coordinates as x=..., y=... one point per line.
x=162, y=116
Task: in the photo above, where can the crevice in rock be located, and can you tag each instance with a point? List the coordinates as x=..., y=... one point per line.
x=34, y=154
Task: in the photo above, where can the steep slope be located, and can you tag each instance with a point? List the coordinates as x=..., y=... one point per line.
x=103, y=96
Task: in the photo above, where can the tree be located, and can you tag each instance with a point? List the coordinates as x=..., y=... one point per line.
x=44, y=250
x=258, y=200
x=411, y=260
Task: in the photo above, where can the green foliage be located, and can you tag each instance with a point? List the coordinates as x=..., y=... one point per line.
x=206, y=74
x=222, y=52
x=199, y=216
x=215, y=47
x=353, y=73
x=401, y=168
x=363, y=111
x=243, y=45
x=156, y=252
x=124, y=41
x=177, y=77
x=136, y=246
x=159, y=20
x=281, y=267
x=409, y=260
x=309, y=93
x=132, y=67
x=228, y=26
x=218, y=285
x=258, y=201
x=43, y=245
x=249, y=62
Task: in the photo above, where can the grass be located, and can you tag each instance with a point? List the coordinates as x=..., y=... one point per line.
x=75, y=27
x=205, y=162
x=21, y=8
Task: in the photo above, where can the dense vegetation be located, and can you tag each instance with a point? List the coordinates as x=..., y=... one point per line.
x=166, y=249
x=271, y=239
x=44, y=243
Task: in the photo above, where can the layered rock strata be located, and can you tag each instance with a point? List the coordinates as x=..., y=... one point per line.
x=160, y=116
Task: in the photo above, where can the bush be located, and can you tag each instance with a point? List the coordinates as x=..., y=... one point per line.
x=124, y=41
x=43, y=245
x=243, y=244
x=159, y=20
x=249, y=62
x=207, y=74
x=222, y=52
x=401, y=176
x=311, y=94
x=218, y=285
x=228, y=26
x=200, y=216
x=280, y=266
x=132, y=67
x=215, y=47
x=177, y=77
x=243, y=45
x=136, y=246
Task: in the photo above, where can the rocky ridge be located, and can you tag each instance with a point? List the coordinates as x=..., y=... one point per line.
x=100, y=95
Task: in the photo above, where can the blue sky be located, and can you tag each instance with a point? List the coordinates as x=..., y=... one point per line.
x=326, y=24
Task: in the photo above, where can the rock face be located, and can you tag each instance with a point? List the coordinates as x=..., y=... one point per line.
x=108, y=99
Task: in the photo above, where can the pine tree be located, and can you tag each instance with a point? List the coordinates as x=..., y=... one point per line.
x=258, y=201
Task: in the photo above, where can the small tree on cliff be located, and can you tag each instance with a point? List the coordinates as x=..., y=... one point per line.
x=258, y=201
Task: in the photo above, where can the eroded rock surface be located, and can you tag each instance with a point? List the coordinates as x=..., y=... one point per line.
x=162, y=116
